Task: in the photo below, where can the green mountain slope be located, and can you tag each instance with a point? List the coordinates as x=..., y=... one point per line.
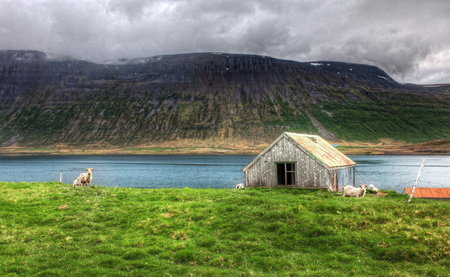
x=208, y=97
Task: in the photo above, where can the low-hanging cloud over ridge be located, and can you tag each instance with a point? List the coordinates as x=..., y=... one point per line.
x=409, y=39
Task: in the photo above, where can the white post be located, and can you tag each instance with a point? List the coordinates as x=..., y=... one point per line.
x=417, y=180
x=60, y=178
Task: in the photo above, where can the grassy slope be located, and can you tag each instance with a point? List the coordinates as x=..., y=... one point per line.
x=354, y=114
x=408, y=117
x=207, y=232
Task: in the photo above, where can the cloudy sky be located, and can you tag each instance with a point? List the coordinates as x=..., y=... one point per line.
x=409, y=39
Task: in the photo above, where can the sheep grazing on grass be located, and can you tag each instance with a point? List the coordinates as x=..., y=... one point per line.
x=77, y=182
x=240, y=186
x=372, y=187
x=86, y=178
x=355, y=192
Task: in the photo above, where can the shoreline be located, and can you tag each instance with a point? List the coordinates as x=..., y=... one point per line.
x=191, y=147
x=347, y=150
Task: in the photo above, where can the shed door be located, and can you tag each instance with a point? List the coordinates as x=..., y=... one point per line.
x=286, y=174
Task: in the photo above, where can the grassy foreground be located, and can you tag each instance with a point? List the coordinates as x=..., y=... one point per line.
x=53, y=229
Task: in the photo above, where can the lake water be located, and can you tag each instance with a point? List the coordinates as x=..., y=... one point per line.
x=206, y=171
x=387, y=172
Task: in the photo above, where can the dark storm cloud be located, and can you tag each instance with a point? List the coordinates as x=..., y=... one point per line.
x=408, y=39
x=398, y=36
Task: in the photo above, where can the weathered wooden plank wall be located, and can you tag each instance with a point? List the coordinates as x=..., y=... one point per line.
x=309, y=172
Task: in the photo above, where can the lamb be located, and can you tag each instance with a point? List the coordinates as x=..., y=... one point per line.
x=86, y=178
x=77, y=182
x=372, y=187
x=355, y=192
x=240, y=186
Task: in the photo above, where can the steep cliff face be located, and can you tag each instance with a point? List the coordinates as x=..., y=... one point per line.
x=211, y=97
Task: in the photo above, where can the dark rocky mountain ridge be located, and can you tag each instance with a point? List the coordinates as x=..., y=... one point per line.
x=212, y=98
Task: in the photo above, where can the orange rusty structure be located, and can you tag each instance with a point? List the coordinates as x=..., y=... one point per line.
x=432, y=193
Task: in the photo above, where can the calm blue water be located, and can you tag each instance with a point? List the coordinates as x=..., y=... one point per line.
x=205, y=171
x=388, y=172
x=130, y=171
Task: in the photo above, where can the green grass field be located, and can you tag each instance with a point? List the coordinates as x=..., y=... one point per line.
x=52, y=229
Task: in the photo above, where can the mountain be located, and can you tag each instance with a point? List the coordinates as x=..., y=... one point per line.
x=209, y=99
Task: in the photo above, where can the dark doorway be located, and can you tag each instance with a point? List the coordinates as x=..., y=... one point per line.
x=286, y=174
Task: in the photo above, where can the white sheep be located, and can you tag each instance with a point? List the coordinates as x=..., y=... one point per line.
x=355, y=192
x=240, y=186
x=86, y=178
x=77, y=182
x=372, y=187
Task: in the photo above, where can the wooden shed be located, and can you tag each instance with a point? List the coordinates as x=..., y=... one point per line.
x=299, y=160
